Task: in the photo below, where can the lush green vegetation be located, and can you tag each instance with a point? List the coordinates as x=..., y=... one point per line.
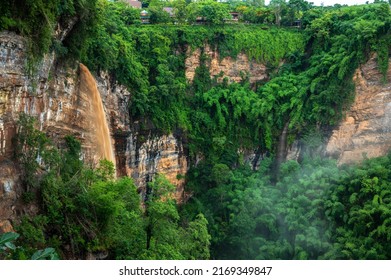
x=310, y=90
x=83, y=210
x=315, y=211
x=8, y=250
x=150, y=60
x=310, y=209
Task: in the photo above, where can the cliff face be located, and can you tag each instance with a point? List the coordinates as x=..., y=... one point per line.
x=233, y=69
x=163, y=154
x=365, y=131
x=8, y=195
x=60, y=99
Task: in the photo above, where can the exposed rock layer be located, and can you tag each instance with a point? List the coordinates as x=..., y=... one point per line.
x=157, y=154
x=234, y=69
x=63, y=107
x=365, y=131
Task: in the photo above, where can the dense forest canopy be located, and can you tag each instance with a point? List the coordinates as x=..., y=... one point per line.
x=311, y=209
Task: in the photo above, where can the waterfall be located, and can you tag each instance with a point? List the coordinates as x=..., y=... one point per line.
x=99, y=128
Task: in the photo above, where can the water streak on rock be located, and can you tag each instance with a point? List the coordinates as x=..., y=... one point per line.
x=99, y=128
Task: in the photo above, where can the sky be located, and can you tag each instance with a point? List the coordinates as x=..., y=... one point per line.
x=332, y=2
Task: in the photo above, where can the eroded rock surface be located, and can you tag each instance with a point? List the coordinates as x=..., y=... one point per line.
x=233, y=69
x=365, y=132
x=58, y=99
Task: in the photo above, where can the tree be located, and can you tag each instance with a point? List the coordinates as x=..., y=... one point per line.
x=257, y=3
x=165, y=239
x=161, y=221
x=361, y=212
x=212, y=12
x=196, y=239
x=278, y=6
x=282, y=105
x=31, y=146
x=296, y=9
x=156, y=12
x=180, y=11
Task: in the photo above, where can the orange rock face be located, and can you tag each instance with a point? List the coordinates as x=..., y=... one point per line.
x=366, y=130
x=158, y=155
x=5, y=226
x=62, y=104
x=233, y=69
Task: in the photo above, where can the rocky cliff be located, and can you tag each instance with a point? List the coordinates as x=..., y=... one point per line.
x=234, y=69
x=60, y=99
x=365, y=131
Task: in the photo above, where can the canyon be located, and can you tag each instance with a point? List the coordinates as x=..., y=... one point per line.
x=61, y=98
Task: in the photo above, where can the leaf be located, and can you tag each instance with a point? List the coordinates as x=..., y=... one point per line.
x=10, y=245
x=8, y=237
x=44, y=254
x=376, y=200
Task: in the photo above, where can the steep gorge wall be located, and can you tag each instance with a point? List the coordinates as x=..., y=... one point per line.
x=365, y=131
x=55, y=97
x=59, y=98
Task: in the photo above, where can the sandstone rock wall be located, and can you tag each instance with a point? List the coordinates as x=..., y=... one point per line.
x=231, y=68
x=54, y=97
x=8, y=195
x=157, y=154
x=366, y=128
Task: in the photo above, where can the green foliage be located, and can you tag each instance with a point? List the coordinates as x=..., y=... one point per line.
x=7, y=246
x=196, y=239
x=180, y=11
x=30, y=148
x=6, y=240
x=266, y=46
x=260, y=15
x=157, y=14
x=361, y=212
x=117, y=214
x=10, y=251
x=86, y=211
x=343, y=39
x=32, y=232
x=315, y=211
x=382, y=50
x=165, y=239
x=46, y=254
x=226, y=120
x=213, y=12
x=150, y=60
